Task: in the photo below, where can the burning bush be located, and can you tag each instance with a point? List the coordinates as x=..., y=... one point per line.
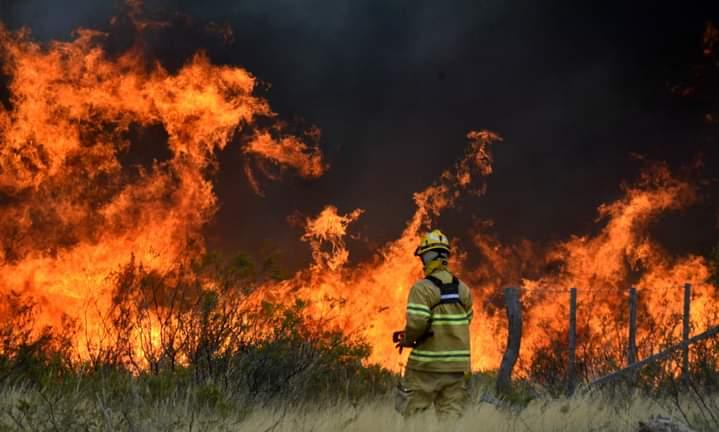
x=26, y=352
x=197, y=326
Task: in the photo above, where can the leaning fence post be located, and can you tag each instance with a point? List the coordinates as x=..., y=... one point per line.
x=632, y=346
x=685, y=331
x=572, y=347
x=514, y=337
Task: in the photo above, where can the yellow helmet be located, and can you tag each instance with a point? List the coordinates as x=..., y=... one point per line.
x=433, y=240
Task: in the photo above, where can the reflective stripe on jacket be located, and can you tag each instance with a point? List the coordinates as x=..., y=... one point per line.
x=448, y=348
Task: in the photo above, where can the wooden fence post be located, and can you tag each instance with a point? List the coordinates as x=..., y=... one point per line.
x=685, y=331
x=572, y=346
x=632, y=346
x=514, y=337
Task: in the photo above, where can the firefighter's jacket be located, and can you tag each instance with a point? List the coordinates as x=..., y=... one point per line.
x=440, y=325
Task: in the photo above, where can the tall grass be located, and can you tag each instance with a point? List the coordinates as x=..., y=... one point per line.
x=192, y=409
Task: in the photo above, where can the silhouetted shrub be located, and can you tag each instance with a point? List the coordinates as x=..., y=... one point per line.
x=197, y=330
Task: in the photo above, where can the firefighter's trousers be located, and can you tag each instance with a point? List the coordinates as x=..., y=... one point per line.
x=418, y=390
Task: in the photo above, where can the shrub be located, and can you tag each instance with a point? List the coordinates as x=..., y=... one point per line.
x=216, y=343
x=28, y=353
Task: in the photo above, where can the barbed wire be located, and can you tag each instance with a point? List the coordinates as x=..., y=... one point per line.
x=597, y=290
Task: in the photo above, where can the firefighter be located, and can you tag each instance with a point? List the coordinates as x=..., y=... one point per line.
x=439, y=311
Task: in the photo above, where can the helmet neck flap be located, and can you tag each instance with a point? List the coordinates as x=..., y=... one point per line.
x=434, y=261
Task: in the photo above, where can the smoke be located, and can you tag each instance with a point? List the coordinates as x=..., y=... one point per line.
x=394, y=86
x=56, y=20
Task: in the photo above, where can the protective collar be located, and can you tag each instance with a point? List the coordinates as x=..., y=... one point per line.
x=435, y=266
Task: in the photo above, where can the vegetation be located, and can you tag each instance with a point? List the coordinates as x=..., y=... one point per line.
x=175, y=331
x=225, y=361
x=205, y=408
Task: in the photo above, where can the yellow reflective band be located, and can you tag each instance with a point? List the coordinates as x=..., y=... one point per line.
x=441, y=353
x=418, y=306
x=451, y=319
x=451, y=316
x=439, y=356
x=450, y=323
x=439, y=359
x=418, y=313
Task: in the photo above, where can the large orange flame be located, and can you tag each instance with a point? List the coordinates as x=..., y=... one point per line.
x=73, y=213
x=622, y=255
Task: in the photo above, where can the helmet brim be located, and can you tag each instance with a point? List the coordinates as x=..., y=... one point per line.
x=421, y=250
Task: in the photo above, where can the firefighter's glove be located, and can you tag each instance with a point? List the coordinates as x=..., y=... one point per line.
x=398, y=338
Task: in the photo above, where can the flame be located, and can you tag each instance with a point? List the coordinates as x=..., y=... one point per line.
x=622, y=254
x=602, y=267
x=373, y=294
x=73, y=212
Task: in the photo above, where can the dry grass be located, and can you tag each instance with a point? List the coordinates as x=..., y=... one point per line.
x=580, y=414
x=25, y=409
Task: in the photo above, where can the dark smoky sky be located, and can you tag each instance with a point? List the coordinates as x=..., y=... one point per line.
x=575, y=89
